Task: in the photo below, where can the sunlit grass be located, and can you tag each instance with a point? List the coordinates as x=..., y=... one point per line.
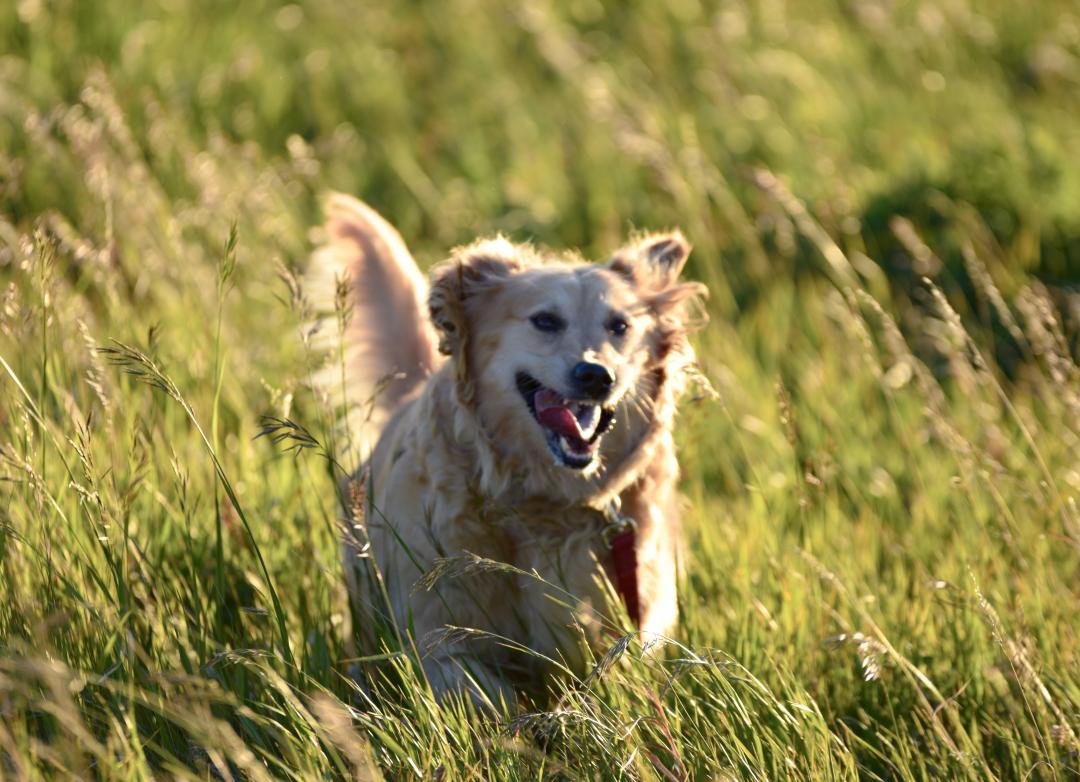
x=883, y=537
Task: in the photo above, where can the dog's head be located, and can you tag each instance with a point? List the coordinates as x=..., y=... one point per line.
x=559, y=358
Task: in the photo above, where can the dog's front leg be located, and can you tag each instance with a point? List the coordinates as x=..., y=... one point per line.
x=652, y=502
x=457, y=672
x=459, y=662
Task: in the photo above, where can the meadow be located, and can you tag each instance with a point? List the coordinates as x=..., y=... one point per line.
x=883, y=533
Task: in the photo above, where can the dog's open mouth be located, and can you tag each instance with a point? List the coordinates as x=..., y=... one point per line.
x=573, y=428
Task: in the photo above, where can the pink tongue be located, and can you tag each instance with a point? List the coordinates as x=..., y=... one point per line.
x=561, y=420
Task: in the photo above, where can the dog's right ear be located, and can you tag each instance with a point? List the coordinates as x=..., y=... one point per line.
x=470, y=272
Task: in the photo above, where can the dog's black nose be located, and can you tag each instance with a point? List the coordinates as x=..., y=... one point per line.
x=592, y=380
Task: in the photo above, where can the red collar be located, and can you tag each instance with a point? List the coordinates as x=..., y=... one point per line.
x=620, y=535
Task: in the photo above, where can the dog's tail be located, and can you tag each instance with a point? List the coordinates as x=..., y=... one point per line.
x=370, y=302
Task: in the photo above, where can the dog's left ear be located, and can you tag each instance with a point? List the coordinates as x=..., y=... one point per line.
x=653, y=264
x=458, y=283
x=654, y=261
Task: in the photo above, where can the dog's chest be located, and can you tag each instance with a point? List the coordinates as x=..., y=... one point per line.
x=563, y=552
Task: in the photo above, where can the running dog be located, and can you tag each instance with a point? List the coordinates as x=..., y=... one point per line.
x=518, y=443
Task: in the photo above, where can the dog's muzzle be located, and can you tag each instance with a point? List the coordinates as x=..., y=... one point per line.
x=572, y=428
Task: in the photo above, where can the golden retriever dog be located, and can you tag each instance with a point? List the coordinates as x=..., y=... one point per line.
x=519, y=411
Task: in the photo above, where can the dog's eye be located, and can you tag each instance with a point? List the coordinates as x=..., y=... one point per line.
x=546, y=321
x=618, y=326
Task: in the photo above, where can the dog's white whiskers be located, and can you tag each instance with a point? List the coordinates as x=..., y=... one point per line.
x=633, y=398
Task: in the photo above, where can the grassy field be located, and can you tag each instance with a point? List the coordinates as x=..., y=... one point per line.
x=881, y=501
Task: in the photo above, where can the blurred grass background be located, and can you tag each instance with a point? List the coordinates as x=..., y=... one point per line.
x=884, y=538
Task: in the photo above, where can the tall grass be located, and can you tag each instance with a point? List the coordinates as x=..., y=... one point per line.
x=881, y=500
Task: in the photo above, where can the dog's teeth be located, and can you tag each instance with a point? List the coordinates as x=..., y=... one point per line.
x=588, y=417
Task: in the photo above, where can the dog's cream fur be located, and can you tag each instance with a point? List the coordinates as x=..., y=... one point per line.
x=459, y=464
